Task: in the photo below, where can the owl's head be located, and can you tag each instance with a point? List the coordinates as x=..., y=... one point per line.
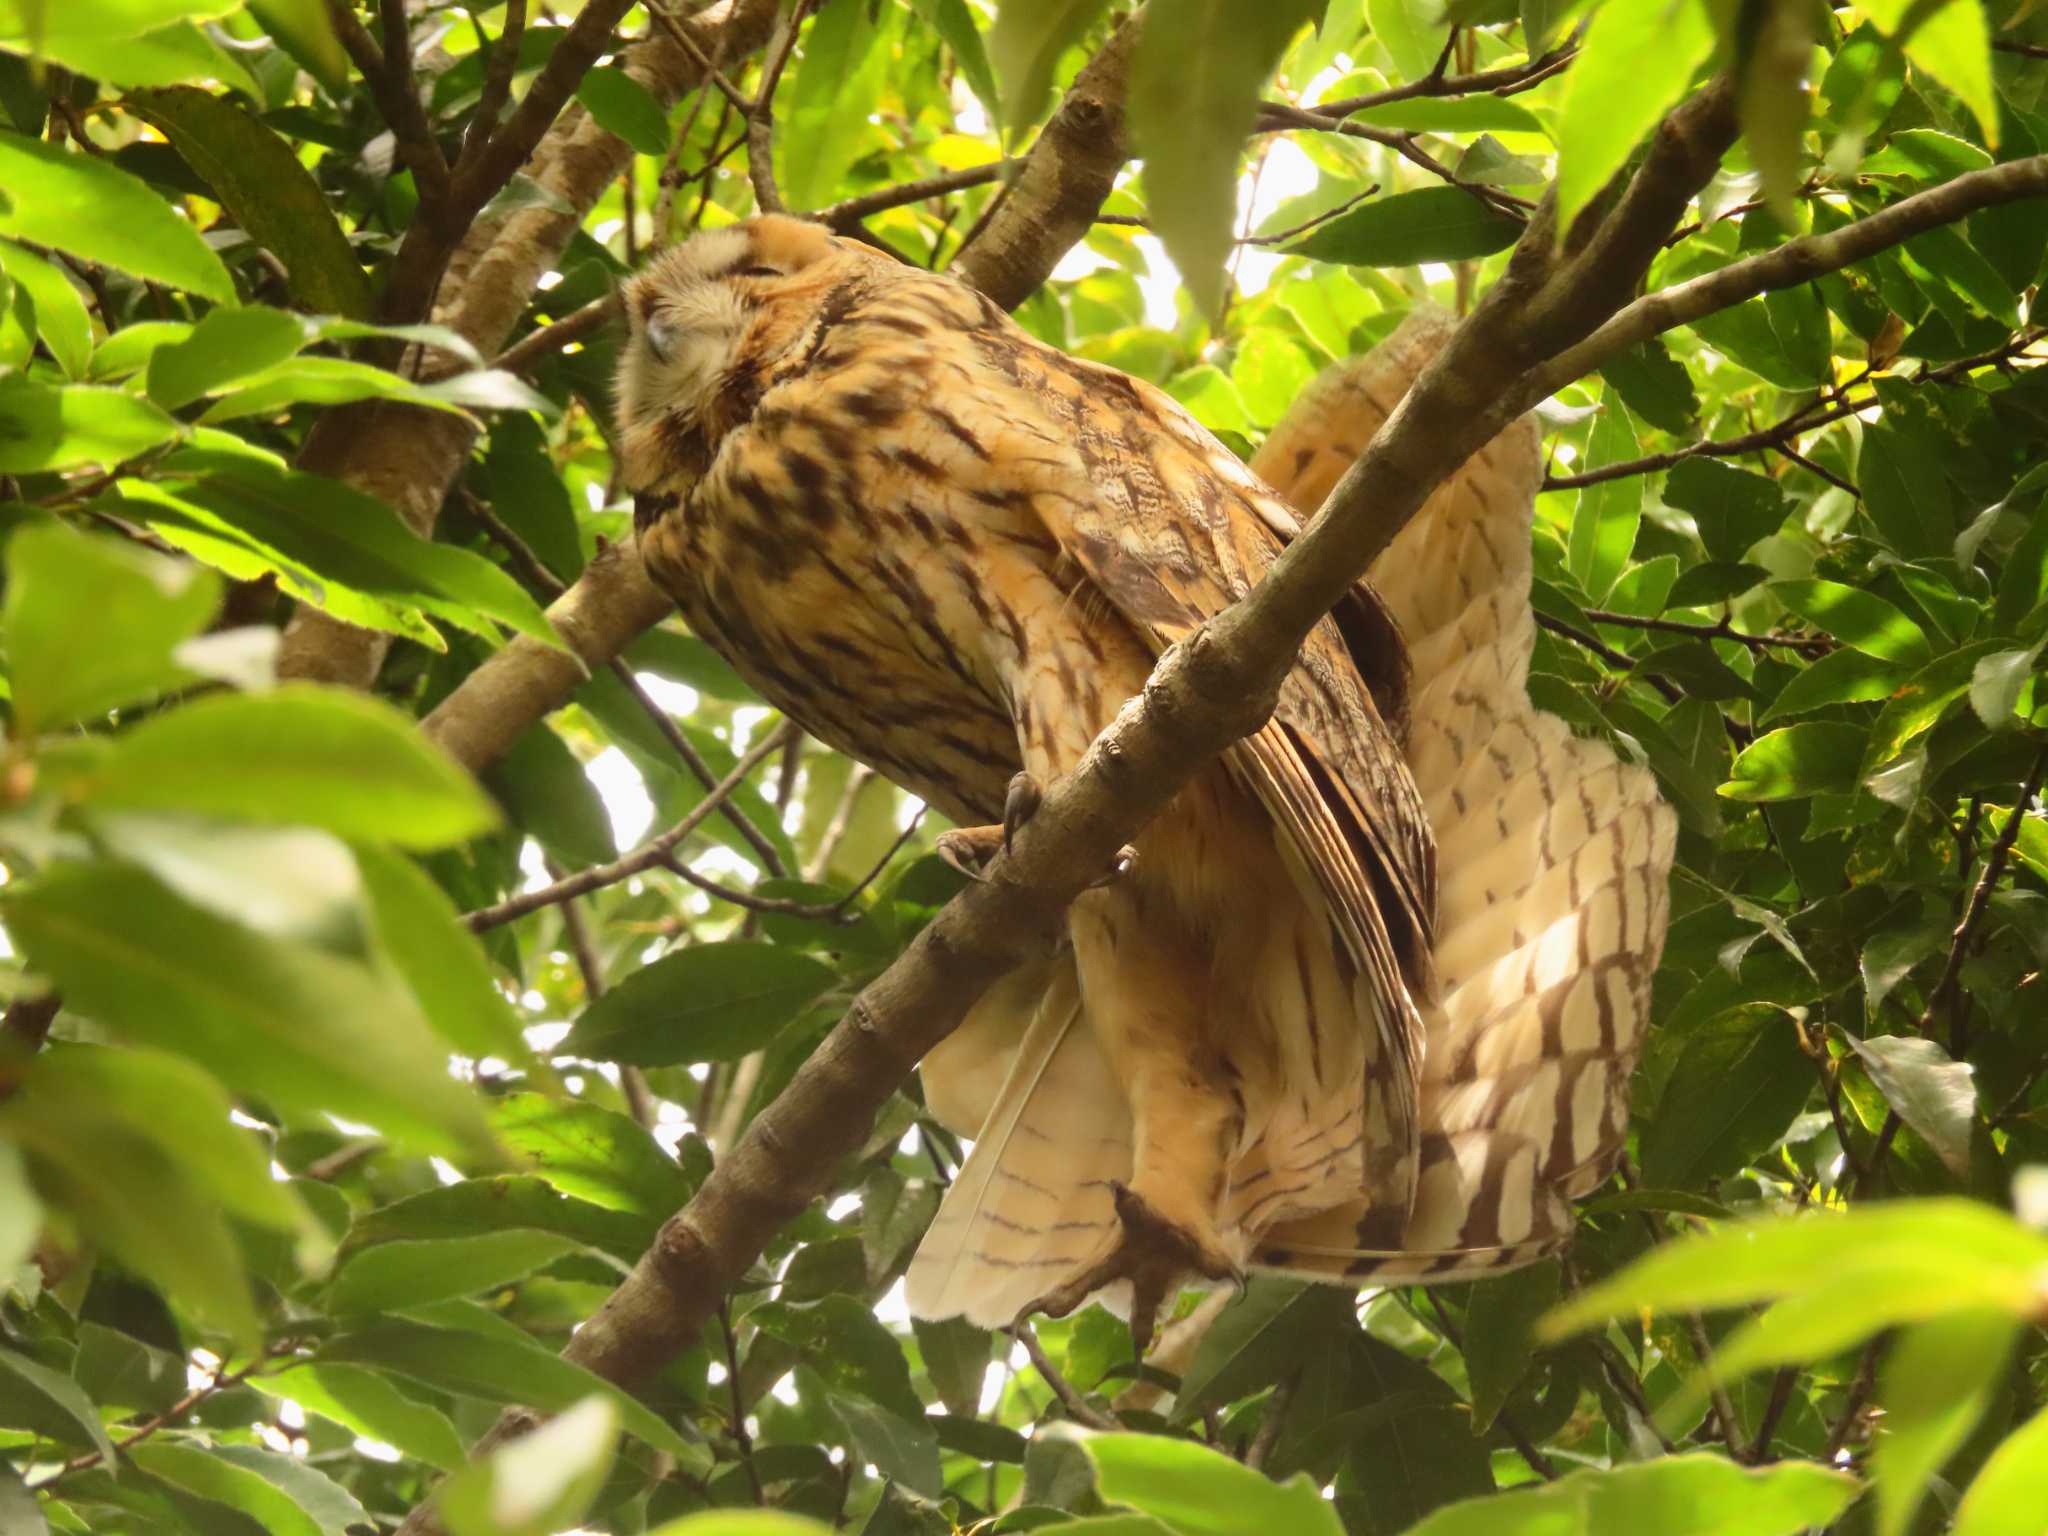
x=714, y=313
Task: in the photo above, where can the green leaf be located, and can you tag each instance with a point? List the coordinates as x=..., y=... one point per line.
x=343, y=535
x=1733, y=507
x=1695, y=1494
x=956, y=1356
x=822, y=122
x=87, y=207
x=1274, y=1328
x=366, y=1402
x=1500, y=1328
x=1607, y=514
x=952, y=20
x=1794, y=761
x=44, y=427
x=293, y=1025
x=1714, y=581
x=1201, y=1492
x=1025, y=45
x=304, y=756
x=1856, y=618
x=1840, y=677
x=904, y=1450
x=92, y=623
x=392, y=1277
x=1405, y=228
x=21, y=1213
x=421, y=934
x=1194, y=92
x=1655, y=386
x=1944, y=252
x=1211, y=398
x=593, y=1154
x=473, y=1207
x=1997, y=682
x=543, y=785
x=1933, y=1094
x=500, y=1368
x=1455, y=114
x=166, y=55
x=1635, y=61
x=1737, y=1085
x=709, y=1002
x=1928, y=155
x=540, y=1483
x=1952, y=42
x=2011, y=1490
x=228, y=344
x=1787, y=1255
x=307, y=33
x=840, y=1339
x=284, y=1495
x=622, y=105
x=32, y=1396
x=61, y=317
x=1938, y=1381
x=751, y=1522
x=1411, y=31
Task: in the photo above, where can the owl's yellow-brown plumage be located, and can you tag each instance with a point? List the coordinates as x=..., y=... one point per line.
x=953, y=553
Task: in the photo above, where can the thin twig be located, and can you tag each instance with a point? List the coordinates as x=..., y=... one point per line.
x=1852, y=1407
x=170, y=1416
x=740, y=1434
x=852, y=210
x=755, y=838
x=842, y=816
x=760, y=112
x=1607, y=653
x=1717, y=1390
x=556, y=335
x=1261, y=1449
x=1079, y=1409
x=1721, y=631
x=703, y=61
x=1496, y=82
x=498, y=73
x=647, y=856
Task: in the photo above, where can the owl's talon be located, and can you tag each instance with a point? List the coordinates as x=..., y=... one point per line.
x=1154, y=1253
x=970, y=849
x=1120, y=868
x=1020, y=803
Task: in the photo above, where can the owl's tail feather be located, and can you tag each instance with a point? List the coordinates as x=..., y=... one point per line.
x=1554, y=860
x=1032, y=1201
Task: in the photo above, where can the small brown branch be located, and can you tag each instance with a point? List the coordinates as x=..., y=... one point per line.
x=760, y=113
x=498, y=73
x=530, y=564
x=1260, y=1451
x=1782, y=1383
x=1277, y=116
x=1281, y=237
x=388, y=74
x=2024, y=50
x=26, y=1024
x=1620, y=660
x=175, y=1414
x=1494, y=82
x=1721, y=631
x=704, y=62
x=1785, y=266
x=755, y=838
x=557, y=334
x=1079, y=1409
x=1964, y=940
x=842, y=216
x=1858, y=1395
x=1726, y=1424
x=740, y=1434
x=651, y=854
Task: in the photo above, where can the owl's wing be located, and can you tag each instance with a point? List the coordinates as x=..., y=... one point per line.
x=1556, y=860
x=1170, y=528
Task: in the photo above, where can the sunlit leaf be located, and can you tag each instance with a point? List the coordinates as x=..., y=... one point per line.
x=1636, y=61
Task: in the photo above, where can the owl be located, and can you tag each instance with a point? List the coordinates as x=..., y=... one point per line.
x=953, y=553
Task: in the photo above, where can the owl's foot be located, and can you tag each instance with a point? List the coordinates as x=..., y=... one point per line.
x=1154, y=1253
x=1020, y=803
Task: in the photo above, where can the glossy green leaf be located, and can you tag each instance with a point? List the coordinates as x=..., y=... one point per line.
x=32, y=1396
x=823, y=119
x=709, y=1002
x=61, y=427
x=1025, y=45
x=302, y=755
x=85, y=206
x=1194, y=92
x=369, y=1403
x=1201, y=1492
x=840, y=1339
x=1635, y=61
x=1935, y=1095
x=1274, y=1328
x=1937, y=1383
x=1654, y=386
x=394, y=1276
x=1607, y=514
x=1794, y=761
x=1404, y=228
x=501, y=1369
x=538, y=1484
x=228, y=344
x=1951, y=40
x=61, y=318
x=1840, y=677
x=593, y=1154
x=904, y=1450
x=307, y=33
x=1859, y=619
x=1696, y=1494
x=1736, y=1087
x=1411, y=31
x=421, y=934
x=622, y=105
x=1499, y=1342
x=283, y=1494
x=92, y=623
x=2007, y=1497
x=301, y=1028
